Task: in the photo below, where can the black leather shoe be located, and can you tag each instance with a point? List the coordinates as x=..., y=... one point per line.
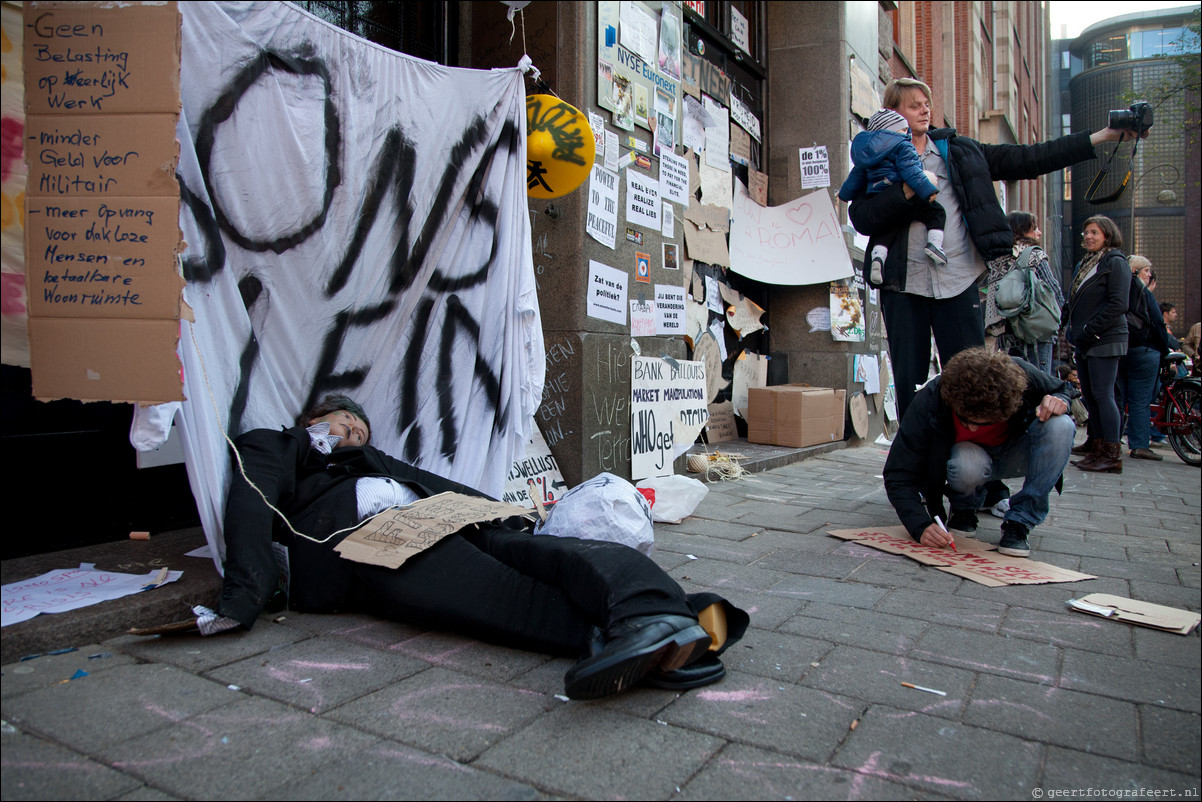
x=634, y=649
x=706, y=671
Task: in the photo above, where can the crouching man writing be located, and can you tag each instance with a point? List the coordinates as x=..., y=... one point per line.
x=987, y=416
x=605, y=603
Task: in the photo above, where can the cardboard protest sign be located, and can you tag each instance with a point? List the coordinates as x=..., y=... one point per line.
x=395, y=535
x=535, y=476
x=102, y=89
x=800, y=242
x=973, y=559
x=1132, y=611
x=668, y=408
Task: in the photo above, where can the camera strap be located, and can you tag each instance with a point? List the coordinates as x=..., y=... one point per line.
x=1096, y=183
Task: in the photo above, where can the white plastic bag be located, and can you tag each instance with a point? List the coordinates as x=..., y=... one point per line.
x=676, y=496
x=605, y=507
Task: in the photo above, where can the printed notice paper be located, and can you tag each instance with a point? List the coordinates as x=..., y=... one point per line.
x=602, y=222
x=606, y=293
x=642, y=200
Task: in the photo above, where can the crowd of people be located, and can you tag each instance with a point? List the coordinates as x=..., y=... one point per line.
x=1007, y=409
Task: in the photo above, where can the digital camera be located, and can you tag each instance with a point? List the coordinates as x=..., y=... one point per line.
x=1138, y=118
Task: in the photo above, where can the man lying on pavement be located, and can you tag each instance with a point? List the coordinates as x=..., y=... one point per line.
x=308, y=486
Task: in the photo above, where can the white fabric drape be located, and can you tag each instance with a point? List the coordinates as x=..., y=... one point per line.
x=356, y=222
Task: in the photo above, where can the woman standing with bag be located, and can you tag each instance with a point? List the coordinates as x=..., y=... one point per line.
x=1097, y=328
x=1028, y=235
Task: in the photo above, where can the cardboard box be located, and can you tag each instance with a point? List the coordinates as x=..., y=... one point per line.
x=794, y=415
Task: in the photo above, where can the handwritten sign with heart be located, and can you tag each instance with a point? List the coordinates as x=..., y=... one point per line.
x=799, y=242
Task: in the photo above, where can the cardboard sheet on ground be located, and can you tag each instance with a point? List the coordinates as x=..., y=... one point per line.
x=973, y=559
x=395, y=535
x=71, y=588
x=1145, y=614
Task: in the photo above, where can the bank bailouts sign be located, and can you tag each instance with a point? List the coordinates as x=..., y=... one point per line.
x=356, y=222
x=667, y=411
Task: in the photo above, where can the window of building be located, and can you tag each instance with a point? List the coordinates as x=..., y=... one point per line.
x=419, y=29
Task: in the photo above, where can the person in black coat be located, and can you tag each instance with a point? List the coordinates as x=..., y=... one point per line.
x=987, y=416
x=1097, y=329
x=309, y=486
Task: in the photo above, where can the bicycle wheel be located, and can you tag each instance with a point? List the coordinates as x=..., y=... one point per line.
x=1185, y=425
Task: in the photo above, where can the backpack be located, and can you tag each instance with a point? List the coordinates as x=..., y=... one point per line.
x=1027, y=303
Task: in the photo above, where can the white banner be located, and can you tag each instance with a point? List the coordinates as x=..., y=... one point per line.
x=356, y=222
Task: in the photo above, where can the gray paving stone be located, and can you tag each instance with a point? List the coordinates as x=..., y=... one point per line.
x=813, y=542
x=1172, y=739
x=1051, y=597
x=239, y=751
x=990, y=654
x=877, y=678
x=1068, y=629
x=905, y=573
x=318, y=674
x=697, y=524
x=585, y=751
x=696, y=575
x=774, y=655
x=808, y=563
x=1073, y=772
x=1154, y=646
x=829, y=591
x=1126, y=569
x=374, y=633
x=1168, y=686
x=146, y=794
x=804, y=722
x=781, y=517
x=49, y=669
x=470, y=656
x=1171, y=595
x=445, y=712
x=115, y=705
x=742, y=551
x=941, y=608
x=940, y=756
x=746, y=772
x=767, y=609
x=37, y=769
x=395, y=771
x=195, y=652
x=1047, y=714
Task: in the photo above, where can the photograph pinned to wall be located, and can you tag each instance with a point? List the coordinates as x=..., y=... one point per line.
x=669, y=45
x=867, y=370
x=847, y=313
x=622, y=99
x=665, y=133
x=670, y=256
x=665, y=102
x=642, y=106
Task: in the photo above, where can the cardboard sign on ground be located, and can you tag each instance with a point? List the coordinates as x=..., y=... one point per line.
x=1145, y=614
x=973, y=559
x=395, y=535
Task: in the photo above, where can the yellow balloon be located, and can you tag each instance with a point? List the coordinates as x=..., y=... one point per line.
x=559, y=147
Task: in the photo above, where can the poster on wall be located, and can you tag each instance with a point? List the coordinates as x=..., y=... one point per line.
x=631, y=47
x=668, y=409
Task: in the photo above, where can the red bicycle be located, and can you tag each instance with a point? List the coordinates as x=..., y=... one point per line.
x=1177, y=412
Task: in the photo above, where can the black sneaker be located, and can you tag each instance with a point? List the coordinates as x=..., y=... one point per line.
x=1014, y=540
x=963, y=521
x=935, y=254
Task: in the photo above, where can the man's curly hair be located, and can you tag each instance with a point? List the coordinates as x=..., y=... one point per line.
x=333, y=403
x=982, y=386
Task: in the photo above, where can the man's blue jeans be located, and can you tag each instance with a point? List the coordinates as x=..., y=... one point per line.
x=1039, y=455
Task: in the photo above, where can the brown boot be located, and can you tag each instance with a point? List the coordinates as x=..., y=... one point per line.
x=1109, y=460
x=1092, y=453
x=1086, y=448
